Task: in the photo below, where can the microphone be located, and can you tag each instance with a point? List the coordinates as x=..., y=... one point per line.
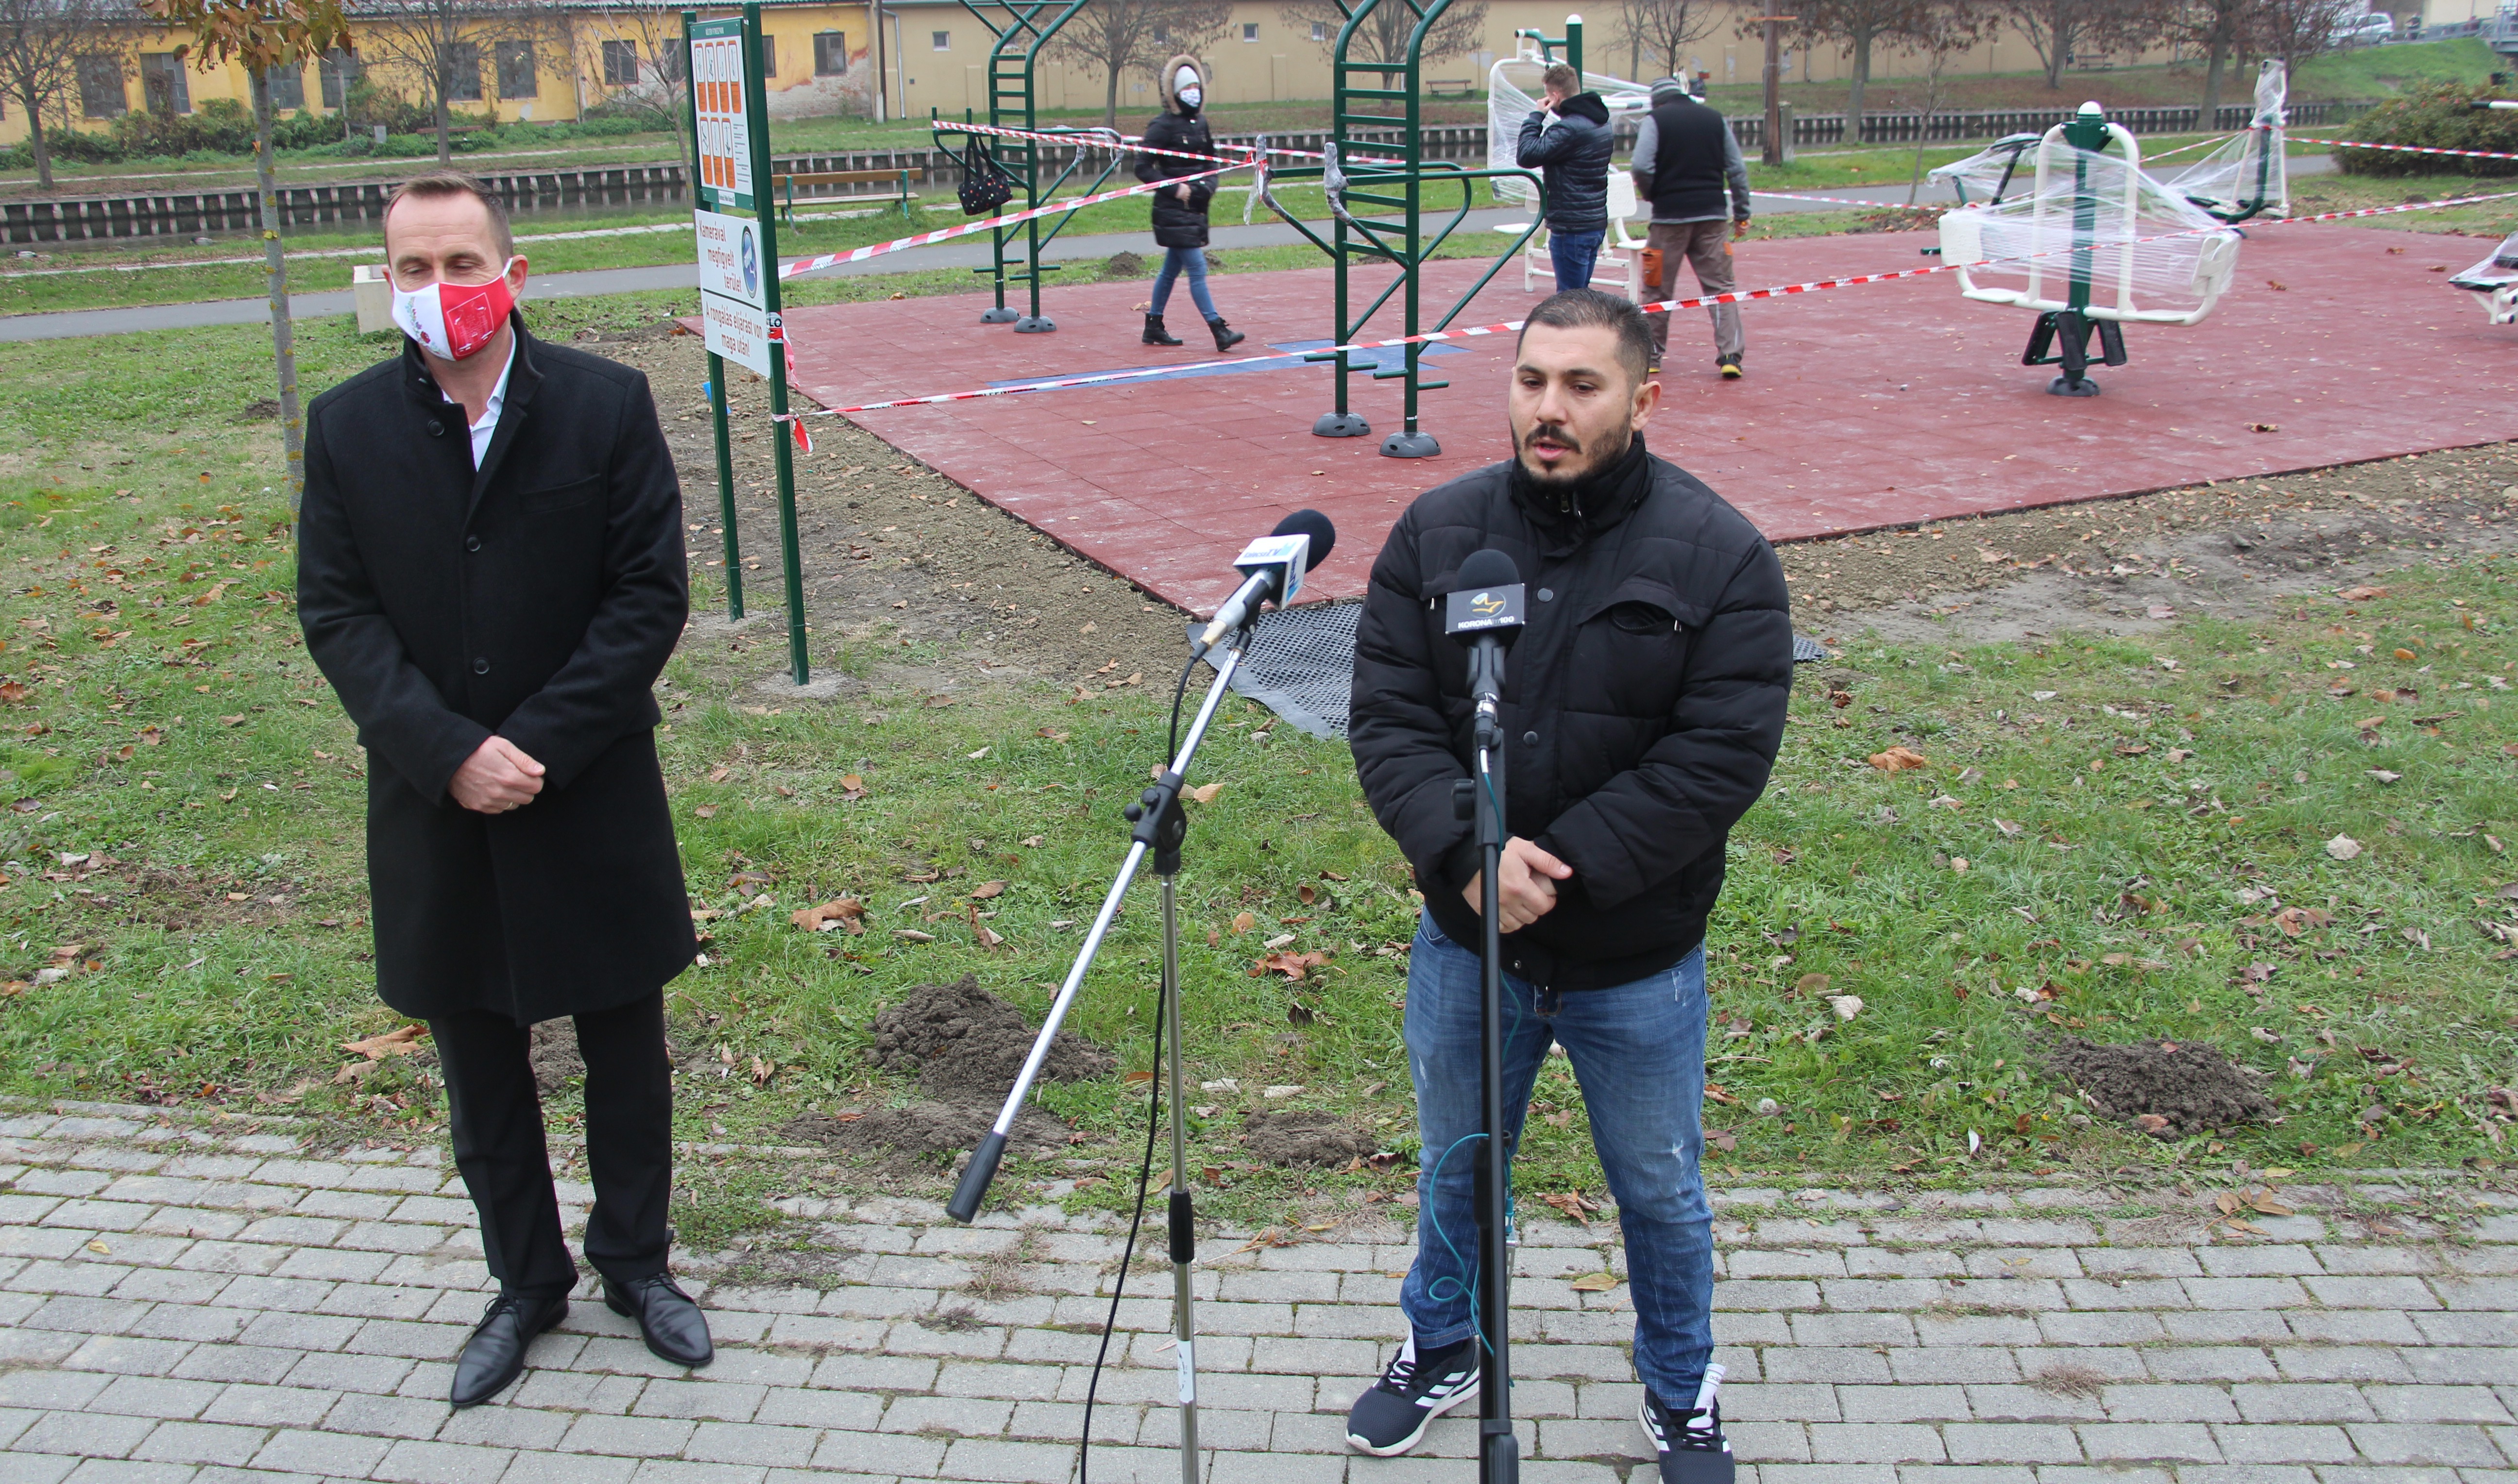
x=1486, y=613
x=1275, y=565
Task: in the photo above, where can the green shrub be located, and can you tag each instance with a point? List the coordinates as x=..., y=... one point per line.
x=2439, y=116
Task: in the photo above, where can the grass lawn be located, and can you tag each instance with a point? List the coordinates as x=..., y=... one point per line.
x=2144, y=829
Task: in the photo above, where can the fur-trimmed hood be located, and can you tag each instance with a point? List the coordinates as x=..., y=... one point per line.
x=1171, y=70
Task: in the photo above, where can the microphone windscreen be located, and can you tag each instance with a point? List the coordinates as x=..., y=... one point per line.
x=1313, y=523
x=1489, y=567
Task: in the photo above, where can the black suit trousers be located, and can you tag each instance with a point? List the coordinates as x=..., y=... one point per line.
x=497, y=1121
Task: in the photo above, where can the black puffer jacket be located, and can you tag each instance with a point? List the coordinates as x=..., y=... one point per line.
x=1643, y=706
x=1571, y=155
x=1179, y=223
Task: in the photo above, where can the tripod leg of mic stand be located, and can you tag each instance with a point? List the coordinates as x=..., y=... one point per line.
x=1181, y=1227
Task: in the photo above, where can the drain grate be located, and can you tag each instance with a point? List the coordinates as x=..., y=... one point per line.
x=1301, y=663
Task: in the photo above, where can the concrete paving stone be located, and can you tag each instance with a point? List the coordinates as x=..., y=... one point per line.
x=1885, y=1262
x=330, y=1454
x=2354, y=1258
x=2126, y=1293
x=295, y=1229
x=2464, y=1364
x=40, y=1242
x=2433, y=1444
x=2135, y=1442
x=2101, y=1328
x=2437, y=1403
x=375, y=1375
x=62, y=1278
x=2283, y=1443
x=412, y=1461
x=131, y=1471
x=821, y=1331
x=1337, y=1321
x=393, y=1417
x=2499, y=1295
x=2230, y=1327
x=2243, y=1293
x=190, y=1322
x=219, y=1256
x=2167, y=1404
x=1769, y=1293
x=1744, y=1330
x=101, y=1435
x=1853, y=1330
x=347, y=1204
x=1054, y=1421
x=1000, y=1461
x=257, y=1406
x=690, y=1471
x=14, y=1421
x=971, y=1417
x=2355, y=1326
x=2497, y=1259
x=1271, y=1469
x=194, y=1224
x=1902, y=1404
x=1972, y=1474
x=1608, y=1438
x=1226, y=1428
x=585, y=1391
x=326, y=1265
x=1840, y=1364
x=1783, y=1262
x=1280, y=1288
x=2342, y=1363
x=751, y=1444
x=1321, y=1357
x=2245, y=1473
x=2002, y=1231
x=1828, y=1473
x=2045, y=1262
x=1761, y=1443
x=858, y=1372
x=417, y=1341
x=2363, y=1292
x=127, y=1355
x=641, y=1437
x=1235, y=1319
x=783, y=1407
x=2033, y=1404
x=2208, y=1363
x=1318, y=1258
x=35, y=1467
x=2270, y=1259
x=1759, y=1402
x=2011, y=1443
x=2138, y=1263
x=1929, y=1365
x=1895, y=1295
x=1566, y=1472
x=2463, y=1328
x=1016, y=1382
x=180, y=1442
x=699, y=1399
x=62, y=1182
x=1581, y=1362
x=399, y=1237
x=98, y=1215
x=510, y=1426
x=2302, y=1402
x=50, y=1391
x=1308, y=1433
x=300, y=1332
x=155, y=1397
x=167, y=1286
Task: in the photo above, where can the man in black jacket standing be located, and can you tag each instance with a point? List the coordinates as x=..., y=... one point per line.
x=1643, y=707
x=1566, y=139
x=1686, y=157
x=491, y=576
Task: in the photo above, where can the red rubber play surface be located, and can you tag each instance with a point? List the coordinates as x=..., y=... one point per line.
x=1864, y=407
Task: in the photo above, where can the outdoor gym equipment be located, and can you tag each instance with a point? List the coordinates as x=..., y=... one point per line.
x=2495, y=279
x=2111, y=229
x=1022, y=27
x=2249, y=175
x=1389, y=177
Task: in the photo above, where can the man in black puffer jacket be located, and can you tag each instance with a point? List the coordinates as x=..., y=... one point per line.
x=1179, y=211
x=1643, y=707
x=1566, y=139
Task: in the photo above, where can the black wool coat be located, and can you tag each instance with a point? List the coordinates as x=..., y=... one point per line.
x=1643, y=706
x=538, y=599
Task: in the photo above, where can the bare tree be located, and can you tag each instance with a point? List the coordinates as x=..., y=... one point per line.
x=44, y=44
x=1383, y=36
x=1858, y=26
x=1115, y=37
x=1945, y=31
x=1665, y=30
x=635, y=52
x=2059, y=29
x=2294, y=30
x=2216, y=29
x=443, y=46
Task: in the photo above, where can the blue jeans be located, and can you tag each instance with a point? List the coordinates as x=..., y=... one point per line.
x=1193, y=260
x=1638, y=1051
x=1573, y=253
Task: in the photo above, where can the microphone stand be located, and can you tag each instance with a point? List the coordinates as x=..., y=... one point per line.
x=1483, y=793
x=1160, y=828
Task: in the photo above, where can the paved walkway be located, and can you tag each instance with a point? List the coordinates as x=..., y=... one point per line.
x=184, y=1306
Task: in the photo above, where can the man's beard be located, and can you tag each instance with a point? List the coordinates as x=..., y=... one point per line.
x=1558, y=434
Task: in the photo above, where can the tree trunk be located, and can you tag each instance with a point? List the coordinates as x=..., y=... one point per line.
x=2212, y=85
x=2057, y=56
x=445, y=85
x=283, y=339
x=1111, y=102
x=1853, y=97
x=35, y=142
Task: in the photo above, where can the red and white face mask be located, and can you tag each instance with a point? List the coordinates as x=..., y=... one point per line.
x=455, y=320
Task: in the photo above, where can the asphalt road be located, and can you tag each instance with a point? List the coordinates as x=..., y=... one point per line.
x=965, y=252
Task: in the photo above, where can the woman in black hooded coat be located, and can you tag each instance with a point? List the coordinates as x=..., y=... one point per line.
x=1179, y=211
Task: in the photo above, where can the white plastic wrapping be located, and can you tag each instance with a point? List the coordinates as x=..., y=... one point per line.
x=1513, y=88
x=2250, y=174
x=2496, y=278
x=2147, y=253
x=1992, y=173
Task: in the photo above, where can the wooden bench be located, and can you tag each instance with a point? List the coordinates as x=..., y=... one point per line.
x=1437, y=87
x=784, y=186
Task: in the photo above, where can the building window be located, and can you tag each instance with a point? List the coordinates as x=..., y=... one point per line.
x=620, y=64
x=336, y=70
x=516, y=75
x=1320, y=30
x=1162, y=34
x=830, y=53
x=462, y=60
x=163, y=83
x=672, y=59
x=769, y=56
x=1249, y=30
x=943, y=42
x=102, y=94
x=288, y=87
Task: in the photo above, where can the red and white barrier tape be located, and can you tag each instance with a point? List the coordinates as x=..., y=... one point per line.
x=1134, y=143
x=1514, y=327
x=2354, y=144
x=1846, y=200
x=1054, y=208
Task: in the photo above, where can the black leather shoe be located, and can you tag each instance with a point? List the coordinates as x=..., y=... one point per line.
x=494, y=1356
x=675, y=1329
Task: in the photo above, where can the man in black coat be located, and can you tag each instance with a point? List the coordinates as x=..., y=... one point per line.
x=491, y=576
x=1642, y=708
x=1568, y=140
x=1178, y=144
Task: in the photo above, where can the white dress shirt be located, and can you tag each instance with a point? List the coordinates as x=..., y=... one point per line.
x=488, y=427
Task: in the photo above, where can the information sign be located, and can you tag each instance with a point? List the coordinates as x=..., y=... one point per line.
x=722, y=113
x=730, y=261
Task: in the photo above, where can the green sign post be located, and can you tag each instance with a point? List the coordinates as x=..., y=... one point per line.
x=738, y=258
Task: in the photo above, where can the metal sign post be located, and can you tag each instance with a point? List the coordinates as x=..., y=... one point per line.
x=716, y=382
x=738, y=258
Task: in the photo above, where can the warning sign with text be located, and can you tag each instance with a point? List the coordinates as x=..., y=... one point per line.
x=738, y=331
x=724, y=121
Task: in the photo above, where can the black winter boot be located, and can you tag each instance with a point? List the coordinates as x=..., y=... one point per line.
x=1225, y=336
x=1156, y=334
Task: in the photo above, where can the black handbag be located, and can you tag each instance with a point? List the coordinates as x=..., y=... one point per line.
x=985, y=183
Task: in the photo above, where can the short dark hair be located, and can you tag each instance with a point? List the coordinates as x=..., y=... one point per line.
x=1583, y=309
x=1562, y=75
x=445, y=183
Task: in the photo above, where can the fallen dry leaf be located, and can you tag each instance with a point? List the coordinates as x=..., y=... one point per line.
x=1244, y=922
x=986, y=889
x=2361, y=594
x=913, y=935
x=1205, y=794
x=1292, y=965
x=2151, y=1123
x=2343, y=847
x=1897, y=759
x=1596, y=1283
x=1845, y=1007
x=839, y=912
x=402, y=1040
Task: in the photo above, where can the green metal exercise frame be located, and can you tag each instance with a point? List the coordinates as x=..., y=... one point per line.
x=1393, y=188
x=1021, y=28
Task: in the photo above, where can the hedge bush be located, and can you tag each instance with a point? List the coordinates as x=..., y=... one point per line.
x=2440, y=117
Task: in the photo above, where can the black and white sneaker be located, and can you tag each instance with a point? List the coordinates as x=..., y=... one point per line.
x=1391, y=1417
x=1690, y=1444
